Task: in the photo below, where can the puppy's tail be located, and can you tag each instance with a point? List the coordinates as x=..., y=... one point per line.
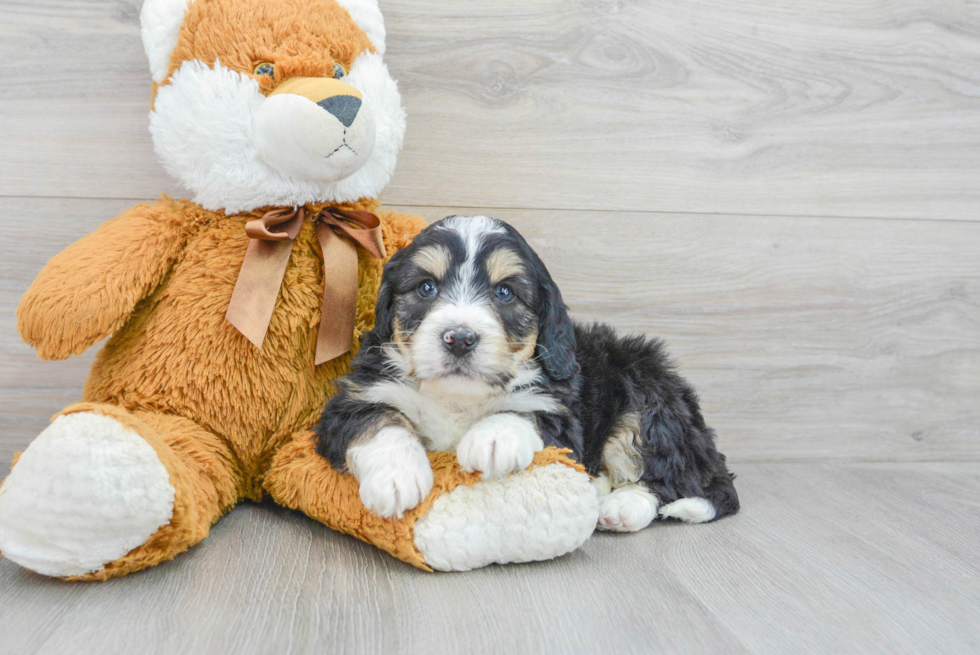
x=720, y=499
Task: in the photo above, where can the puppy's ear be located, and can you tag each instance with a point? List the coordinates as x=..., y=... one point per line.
x=556, y=337
x=384, y=308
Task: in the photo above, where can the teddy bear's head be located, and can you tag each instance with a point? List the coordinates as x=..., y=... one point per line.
x=272, y=102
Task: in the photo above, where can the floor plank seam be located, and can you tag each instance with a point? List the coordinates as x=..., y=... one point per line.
x=579, y=210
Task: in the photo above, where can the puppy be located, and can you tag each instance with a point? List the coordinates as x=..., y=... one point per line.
x=473, y=352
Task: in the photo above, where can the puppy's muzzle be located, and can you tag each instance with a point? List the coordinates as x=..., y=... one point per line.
x=460, y=340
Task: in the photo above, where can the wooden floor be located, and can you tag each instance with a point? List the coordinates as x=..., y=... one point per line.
x=788, y=192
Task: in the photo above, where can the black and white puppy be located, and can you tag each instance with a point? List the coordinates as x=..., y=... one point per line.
x=473, y=352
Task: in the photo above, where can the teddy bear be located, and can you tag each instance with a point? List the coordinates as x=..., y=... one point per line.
x=230, y=315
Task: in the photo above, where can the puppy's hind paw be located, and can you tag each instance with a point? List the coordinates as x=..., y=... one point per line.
x=393, y=471
x=499, y=445
x=690, y=510
x=627, y=509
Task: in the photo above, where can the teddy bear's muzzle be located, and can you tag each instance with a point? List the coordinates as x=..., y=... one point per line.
x=317, y=129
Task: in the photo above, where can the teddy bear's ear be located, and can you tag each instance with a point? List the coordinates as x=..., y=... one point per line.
x=368, y=17
x=160, y=22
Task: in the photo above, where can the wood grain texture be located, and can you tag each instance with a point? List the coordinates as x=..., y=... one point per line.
x=826, y=558
x=808, y=338
x=825, y=107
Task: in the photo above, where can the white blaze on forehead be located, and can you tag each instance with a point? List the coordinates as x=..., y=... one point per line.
x=473, y=230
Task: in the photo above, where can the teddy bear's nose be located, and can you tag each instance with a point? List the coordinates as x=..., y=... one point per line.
x=343, y=107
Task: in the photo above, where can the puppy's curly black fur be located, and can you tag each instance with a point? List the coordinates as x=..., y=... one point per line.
x=624, y=374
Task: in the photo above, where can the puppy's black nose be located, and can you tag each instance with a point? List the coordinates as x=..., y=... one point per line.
x=345, y=108
x=460, y=340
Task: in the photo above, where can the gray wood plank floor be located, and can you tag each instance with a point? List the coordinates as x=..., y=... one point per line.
x=827, y=558
x=786, y=191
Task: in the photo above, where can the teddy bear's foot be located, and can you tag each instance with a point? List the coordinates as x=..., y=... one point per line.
x=84, y=493
x=464, y=523
x=103, y=492
x=534, y=515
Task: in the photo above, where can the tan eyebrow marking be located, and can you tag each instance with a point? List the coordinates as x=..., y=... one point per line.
x=504, y=263
x=433, y=259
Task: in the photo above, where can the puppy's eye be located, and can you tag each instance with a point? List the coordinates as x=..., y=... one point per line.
x=338, y=72
x=428, y=289
x=503, y=293
x=265, y=68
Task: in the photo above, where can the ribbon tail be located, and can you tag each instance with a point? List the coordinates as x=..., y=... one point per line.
x=366, y=228
x=337, y=316
x=257, y=287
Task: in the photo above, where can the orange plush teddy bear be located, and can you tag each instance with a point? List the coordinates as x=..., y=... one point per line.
x=231, y=315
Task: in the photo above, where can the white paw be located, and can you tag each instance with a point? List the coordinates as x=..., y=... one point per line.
x=84, y=493
x=627, y=509
x=690, y=510
x=602, y=485
x=393, y=471
x=499, y=445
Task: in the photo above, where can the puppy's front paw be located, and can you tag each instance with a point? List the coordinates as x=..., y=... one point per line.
x=499, y=445
x=393, y=471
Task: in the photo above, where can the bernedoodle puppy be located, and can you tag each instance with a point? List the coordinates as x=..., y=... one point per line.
x=473, y=352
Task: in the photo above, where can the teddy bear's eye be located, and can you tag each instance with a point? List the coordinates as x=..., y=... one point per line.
x=265, y=68
x=339, y=72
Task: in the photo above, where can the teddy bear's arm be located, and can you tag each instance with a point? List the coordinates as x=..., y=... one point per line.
x=89, y=290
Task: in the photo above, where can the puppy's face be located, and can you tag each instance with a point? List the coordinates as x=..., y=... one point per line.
x=465, y=303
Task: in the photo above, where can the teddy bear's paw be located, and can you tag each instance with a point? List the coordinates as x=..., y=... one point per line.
x=393, y=471
x=627, y=509
x=499, y=445
x=533, y=515
x=84, y=493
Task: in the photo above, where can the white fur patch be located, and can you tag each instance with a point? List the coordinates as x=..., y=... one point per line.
x=529, y=516
x=393, y=471
x=160, y=22
x=368, y=17
x=627, y=509
x=602, y=484
x=499, y=445
x=84, y=493
x=472, y=229
x=443, y=410
x=691, y=510
x=203, y=125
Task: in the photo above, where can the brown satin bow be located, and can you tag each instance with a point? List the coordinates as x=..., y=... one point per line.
x=272, y=236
